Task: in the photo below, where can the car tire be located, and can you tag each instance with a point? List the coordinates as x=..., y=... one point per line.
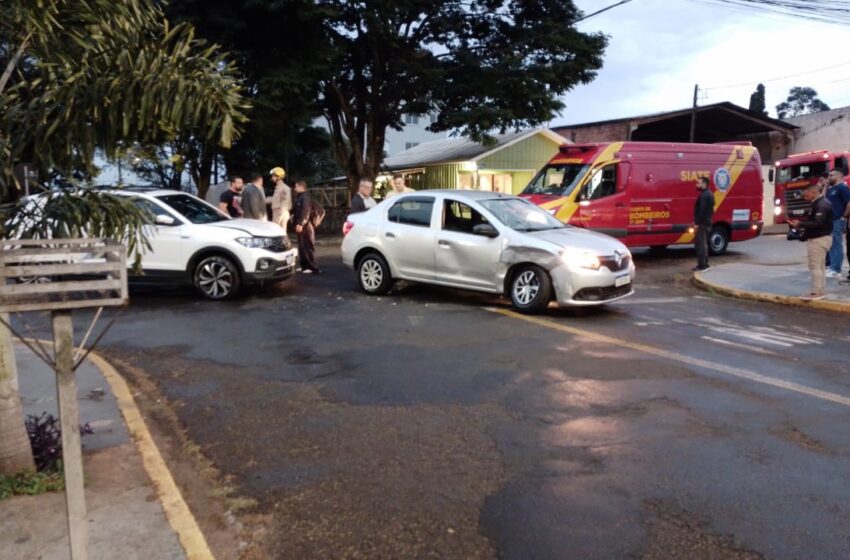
x=530, y=289
x=718, y=240
x=216, y=277
x=373, y=274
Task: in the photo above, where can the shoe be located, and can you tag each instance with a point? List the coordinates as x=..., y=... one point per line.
x=845, y=282
x=812, y=297
x=700, y=268
x=307, y=271
x=832, y=274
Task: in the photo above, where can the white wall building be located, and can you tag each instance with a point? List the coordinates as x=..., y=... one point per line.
x=827, y=130
x=413, y=134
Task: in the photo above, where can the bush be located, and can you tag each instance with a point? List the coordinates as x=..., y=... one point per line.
x=30, y=483
x=46, y=441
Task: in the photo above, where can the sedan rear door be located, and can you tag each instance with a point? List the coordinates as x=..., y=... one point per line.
x=409, y=237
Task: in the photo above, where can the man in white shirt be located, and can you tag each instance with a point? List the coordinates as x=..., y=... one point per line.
x=398, y=186
x=363, y=200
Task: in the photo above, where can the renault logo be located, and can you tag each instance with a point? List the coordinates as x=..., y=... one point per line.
x=618, y=259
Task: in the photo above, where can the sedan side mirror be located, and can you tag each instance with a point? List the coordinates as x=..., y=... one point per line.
x=164, y=220
x=486, y=230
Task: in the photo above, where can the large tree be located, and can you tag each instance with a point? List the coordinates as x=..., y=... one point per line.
x=86, y=74
x=801, y=101
x=282, y=53
x=479, y=65
x=81, y=75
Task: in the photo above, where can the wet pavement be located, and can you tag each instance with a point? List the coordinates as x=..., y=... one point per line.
x=429, y=424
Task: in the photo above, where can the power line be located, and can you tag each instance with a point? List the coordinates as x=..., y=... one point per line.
x=826, y=11
x=751, y=82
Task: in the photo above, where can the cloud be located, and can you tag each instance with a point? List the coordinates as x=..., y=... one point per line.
x=660, y=48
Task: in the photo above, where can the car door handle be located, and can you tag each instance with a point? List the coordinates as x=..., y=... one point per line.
x=443, y=243
x=390, y=235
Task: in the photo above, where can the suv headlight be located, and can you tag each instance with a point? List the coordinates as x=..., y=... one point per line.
x=256, y=242
x=577, y=258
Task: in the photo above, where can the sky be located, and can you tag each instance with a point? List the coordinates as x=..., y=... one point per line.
x=658, y=50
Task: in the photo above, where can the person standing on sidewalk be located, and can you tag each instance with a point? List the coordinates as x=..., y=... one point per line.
x=363, y=200
x=304, y=228
x=838, y=195
x=254, y=198
x=281, y=199
x=817, y=231
x=230, y=201
x=703, y=213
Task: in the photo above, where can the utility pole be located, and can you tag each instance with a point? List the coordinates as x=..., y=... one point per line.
x=694, y=114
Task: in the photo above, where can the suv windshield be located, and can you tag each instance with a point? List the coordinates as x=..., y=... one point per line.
x=193, y=209
x=802, y=171
x=521, y=215
x=557, y=179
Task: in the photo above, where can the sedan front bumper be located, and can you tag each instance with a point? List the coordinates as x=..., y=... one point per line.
x=581, y=287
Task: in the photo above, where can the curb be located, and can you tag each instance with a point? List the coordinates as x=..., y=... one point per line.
x=176, y=510
x=822, y=304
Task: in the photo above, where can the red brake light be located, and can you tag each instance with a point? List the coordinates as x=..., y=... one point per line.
x=346, y=227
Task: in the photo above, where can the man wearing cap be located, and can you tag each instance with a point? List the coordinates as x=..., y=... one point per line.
x=281, y=198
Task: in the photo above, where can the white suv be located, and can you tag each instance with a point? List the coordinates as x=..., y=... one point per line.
x=194, y=243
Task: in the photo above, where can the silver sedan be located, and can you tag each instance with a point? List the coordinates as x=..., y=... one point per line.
x=486, y=242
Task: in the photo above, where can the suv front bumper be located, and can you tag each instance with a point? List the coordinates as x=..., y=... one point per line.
x=271, y=269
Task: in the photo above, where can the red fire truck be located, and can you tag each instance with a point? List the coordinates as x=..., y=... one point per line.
x=795, y=173
x=644, y=192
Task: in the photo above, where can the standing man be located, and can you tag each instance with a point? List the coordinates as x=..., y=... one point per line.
x=398, y=186
x=254, y=199
x=838, y=195
x=817, y=231
x=363, y=200
x=230, y=201
x=305, y=230
x=281, y=199
x=703, y=213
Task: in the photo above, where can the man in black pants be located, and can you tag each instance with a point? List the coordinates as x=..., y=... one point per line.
x=305, y=230
x=703, y=213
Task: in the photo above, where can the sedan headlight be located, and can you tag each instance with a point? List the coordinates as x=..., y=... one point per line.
x=256, y=242
x=576, y=258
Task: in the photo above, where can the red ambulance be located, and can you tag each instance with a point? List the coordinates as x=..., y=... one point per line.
x=797, y=172
x=643, y=193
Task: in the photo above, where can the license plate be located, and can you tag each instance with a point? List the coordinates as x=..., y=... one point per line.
x=621, y=281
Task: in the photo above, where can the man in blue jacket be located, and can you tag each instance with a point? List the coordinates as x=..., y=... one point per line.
x=703, y=214
x=838, y=195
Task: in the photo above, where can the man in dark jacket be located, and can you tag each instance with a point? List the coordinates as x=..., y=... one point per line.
x=303, y=215
x=816, y=229
x=703, y=213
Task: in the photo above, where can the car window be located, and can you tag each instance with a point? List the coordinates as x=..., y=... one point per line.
x=521, y=215
x=193, y=209
x=602, y=183
x=557, y=179
x=154, y=209
x=413, y=211
x=461, y=217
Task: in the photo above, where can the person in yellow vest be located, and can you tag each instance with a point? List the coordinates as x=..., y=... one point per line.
x=281, y=198
x=398, y=187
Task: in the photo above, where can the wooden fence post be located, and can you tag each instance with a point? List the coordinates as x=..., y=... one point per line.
x=69, y=416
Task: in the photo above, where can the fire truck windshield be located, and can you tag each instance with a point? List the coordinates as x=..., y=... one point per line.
x=811, y=170
x=557, y=179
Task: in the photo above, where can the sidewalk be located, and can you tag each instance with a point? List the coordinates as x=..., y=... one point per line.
x=772, y=269
x=126, y=518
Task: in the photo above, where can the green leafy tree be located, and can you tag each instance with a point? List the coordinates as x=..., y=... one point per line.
x=86, y=74
x=81, y=75
x=757, y=100
x=801, y=101
x=280, y=49
x=481, y=66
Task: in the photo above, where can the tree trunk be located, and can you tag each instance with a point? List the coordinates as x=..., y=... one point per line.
x=205, y=164
x=15, y=449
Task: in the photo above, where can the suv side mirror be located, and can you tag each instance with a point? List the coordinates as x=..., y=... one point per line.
x=486, y=230
x=164, y=220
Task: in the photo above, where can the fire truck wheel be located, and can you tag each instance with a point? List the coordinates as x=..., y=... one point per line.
x=718, y=240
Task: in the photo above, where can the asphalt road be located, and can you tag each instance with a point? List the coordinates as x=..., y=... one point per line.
x=433, y=423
